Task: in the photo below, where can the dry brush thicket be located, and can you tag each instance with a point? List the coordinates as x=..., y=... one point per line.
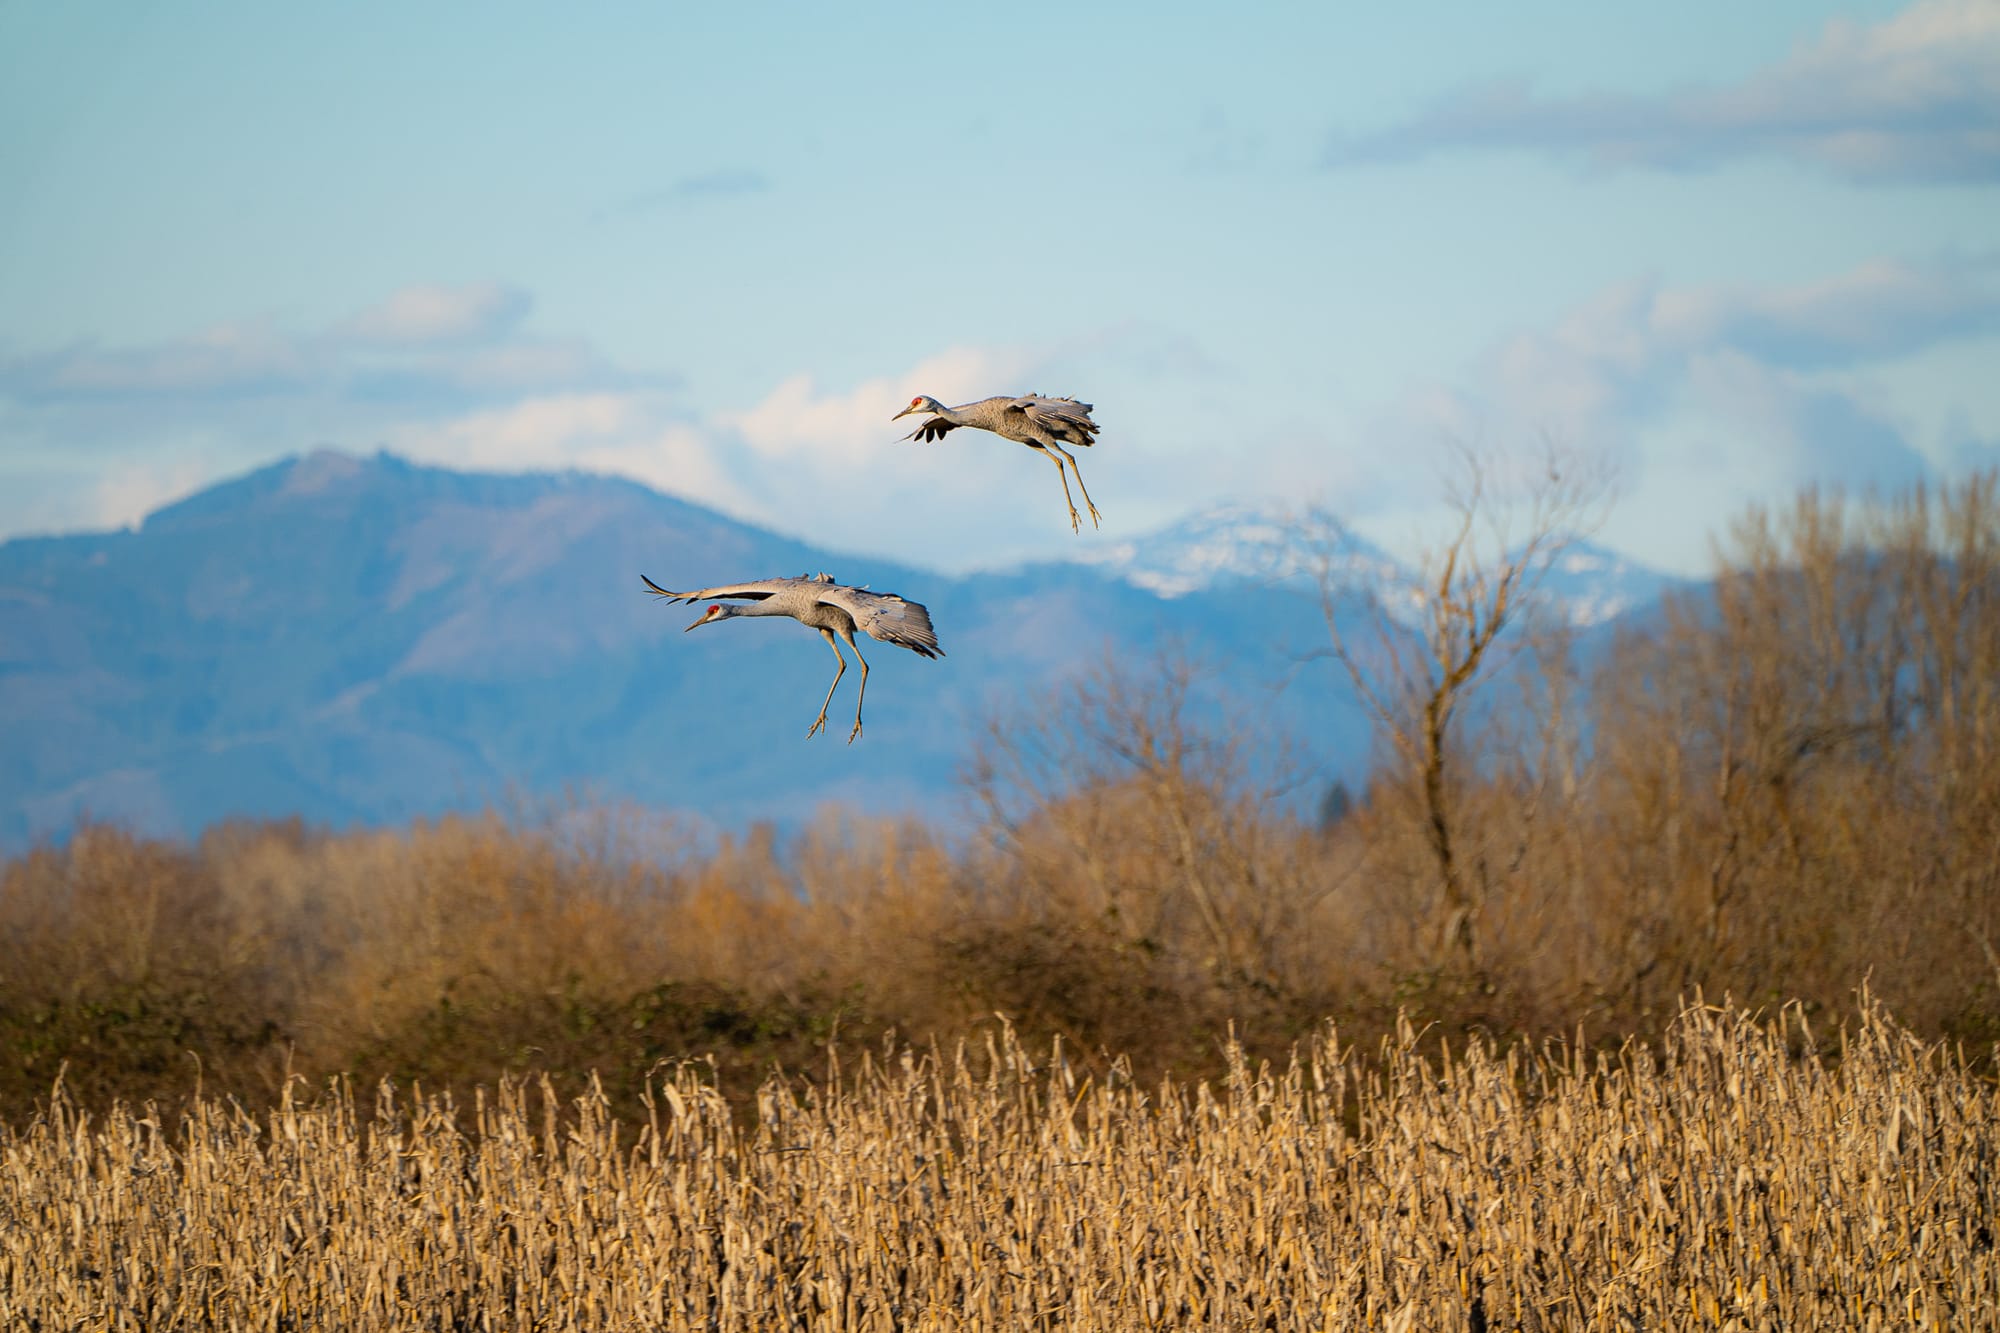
x=1777, y=789
x=1777, y=786
x=1720, y=1180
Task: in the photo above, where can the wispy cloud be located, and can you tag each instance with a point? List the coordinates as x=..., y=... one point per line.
x=635, y=433
x=432, y=344
x=450, y=375
x=120, y=498
x=804, y=458
x=850, y=427
x=1708, y=395
x=231, y=360
x=1915, y=98
x=438, y=312
x=1880, y=309
x=1722, y=392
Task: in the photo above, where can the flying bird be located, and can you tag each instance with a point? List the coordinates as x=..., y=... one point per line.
x=831, y=608
x=1038, y=422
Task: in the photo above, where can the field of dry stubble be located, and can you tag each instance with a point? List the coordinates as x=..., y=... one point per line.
x=1718, y=1181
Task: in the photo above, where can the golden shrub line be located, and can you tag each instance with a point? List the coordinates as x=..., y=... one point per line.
x=1717, y=1181
x=1777, y=789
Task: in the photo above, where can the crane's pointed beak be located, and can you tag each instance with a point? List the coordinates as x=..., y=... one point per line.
x=705, y=618
x=900, y=415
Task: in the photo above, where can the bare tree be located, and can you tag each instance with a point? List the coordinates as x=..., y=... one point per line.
x=1800, y=761
x=1416, y=653
x=1143, y=797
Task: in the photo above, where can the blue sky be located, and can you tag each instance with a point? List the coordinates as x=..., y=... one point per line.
x=1292, y=253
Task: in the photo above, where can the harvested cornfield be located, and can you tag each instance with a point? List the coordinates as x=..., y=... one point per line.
x=1720, y=1180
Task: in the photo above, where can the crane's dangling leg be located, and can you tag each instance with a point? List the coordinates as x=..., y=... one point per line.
x=1075, y=519
x=1094, y=515
x=864, y=685
x=819, y=724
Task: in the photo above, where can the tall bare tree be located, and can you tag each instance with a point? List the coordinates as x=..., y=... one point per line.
x=1417, y=653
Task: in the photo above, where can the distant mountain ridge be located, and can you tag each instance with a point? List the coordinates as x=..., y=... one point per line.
x=362, y=639
x=1268, y=544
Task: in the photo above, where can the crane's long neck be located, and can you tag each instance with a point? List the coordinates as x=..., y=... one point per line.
x=957, y=416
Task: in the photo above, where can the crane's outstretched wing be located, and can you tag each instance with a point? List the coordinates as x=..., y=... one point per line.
x=1065, y=418
x=755, y=592
x=932, y=431
x=885, y=616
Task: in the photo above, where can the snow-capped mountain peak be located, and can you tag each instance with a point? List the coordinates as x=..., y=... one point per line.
x=1267, y=543
x=1241, y=543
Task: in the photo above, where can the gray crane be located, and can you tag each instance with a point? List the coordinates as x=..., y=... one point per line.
x=831, y=608
x=1034, y=420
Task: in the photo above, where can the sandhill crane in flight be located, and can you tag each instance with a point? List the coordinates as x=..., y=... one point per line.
x=1038, y=422
x=831, y=608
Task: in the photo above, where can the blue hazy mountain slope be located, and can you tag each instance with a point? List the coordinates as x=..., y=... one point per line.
x=362, y=639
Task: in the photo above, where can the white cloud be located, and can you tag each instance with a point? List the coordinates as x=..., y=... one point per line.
x=1913, y=98
x=1708, y=394
x=441, y=374
x=1707, y=397
x=538, y=431
x=1875, y=310
x=438, y=312
x=826, y=465
x=1630, y=350
x=831, y=466
x=123, y=496
x=852, y=427
x=631, y=434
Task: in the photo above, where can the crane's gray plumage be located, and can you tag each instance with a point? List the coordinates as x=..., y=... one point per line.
x=819, y=603
x=1034, y=419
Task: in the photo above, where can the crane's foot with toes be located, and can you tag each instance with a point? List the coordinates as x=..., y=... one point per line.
x=1076, y=519
x=819, y=725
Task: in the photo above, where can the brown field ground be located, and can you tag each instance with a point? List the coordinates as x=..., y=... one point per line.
x=1782, y=794
x=1720, y=1181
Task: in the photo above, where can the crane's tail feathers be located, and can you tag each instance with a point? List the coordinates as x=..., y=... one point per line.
x=1065, y=418
x=890, y=619
x=915, y=634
